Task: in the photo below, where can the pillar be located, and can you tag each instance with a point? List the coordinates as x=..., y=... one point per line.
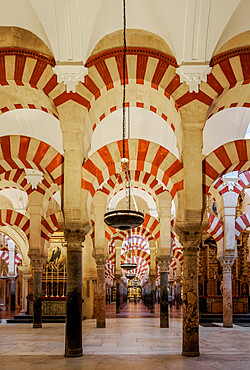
x=152, y=283
x=118, y=296
x=178, y=293
x=190, y=327
x=227, y=262
x=164, y=314
x=73, y=335
x=101, y=292
x=37, y=264
x=25, y=276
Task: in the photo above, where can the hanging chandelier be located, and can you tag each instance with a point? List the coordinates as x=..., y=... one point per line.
x=125, y=219
x=130, y=276
x=128, y=264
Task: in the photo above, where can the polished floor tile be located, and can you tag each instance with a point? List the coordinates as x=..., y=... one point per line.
x=125, y=343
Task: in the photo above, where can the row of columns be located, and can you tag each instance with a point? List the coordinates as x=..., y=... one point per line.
x=189, y=225
x=73, y=337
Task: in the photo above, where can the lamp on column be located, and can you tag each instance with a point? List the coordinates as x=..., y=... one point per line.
x=125, y=219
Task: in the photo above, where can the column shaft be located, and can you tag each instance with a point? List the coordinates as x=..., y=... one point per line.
x=37, y=264
x=73, y=336
x=37, y=299
x=100, y=311
x=227, y=298
x=118, y=296
x=164, y=315
x=190, y=328
x=152, y=282
x=178, y=294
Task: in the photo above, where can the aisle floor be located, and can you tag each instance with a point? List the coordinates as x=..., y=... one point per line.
x=132, y=343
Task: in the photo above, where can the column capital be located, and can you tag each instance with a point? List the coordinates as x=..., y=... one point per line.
x=70, y=74
x=37, y=261
x=163, y=262
x=227, y=260
x=118, y=277
x=100, y=260
x=193, y=75
x=74, y=238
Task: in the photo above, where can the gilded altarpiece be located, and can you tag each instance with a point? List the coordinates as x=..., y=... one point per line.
x=54, y=279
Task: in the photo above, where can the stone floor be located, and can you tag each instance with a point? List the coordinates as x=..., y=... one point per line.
x=126, y=343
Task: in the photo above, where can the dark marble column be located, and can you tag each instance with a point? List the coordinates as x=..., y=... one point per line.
x=73, y=335
x=118, y=295
x=101, y=292
x=164, y=314
x=152, y=303
x=190, y=327
x=37, y=264
x=227, y=262
x=178, y=293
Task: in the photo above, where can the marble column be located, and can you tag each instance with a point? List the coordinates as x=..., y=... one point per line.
x=118, y=295
x=178, y=293
x=73, y=335
x=190, y=326
x=37, y=264
x=101, y=292
x=227, y=262
x=164, y=314
x=152, y=283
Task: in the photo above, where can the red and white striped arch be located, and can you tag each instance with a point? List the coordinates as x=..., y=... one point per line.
x=244, y=182
x=216, y=229
x=233, y=156
x=17, y=152
x=150, y=229
x=241, y=223
x=136, y=240
x=230, y=77
x=143, y=156
x=50, y=225
x=142, y=266
x=16, y=179
x=146, y=69
x=13, y=218
x=140, y=179
x=27, y=76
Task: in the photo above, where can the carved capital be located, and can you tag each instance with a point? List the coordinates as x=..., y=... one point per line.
x=193, y=75
x=37, y=261
x=100, y=261
x=227, y=260
x=70, y=75
x=74, y=239
x=118, y=278
x=163, y=262
x=33, y=177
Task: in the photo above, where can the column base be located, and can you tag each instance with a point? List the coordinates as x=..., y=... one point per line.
x=73, y=352
x=164, y=325
x=37, y=326
x=227, y=325
x=191, y=354
x=101, y=324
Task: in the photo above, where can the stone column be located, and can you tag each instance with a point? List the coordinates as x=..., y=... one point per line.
x=178, y=292
x=190, y=339
x=118, y=296
x=101, y=293
x=152, y=282
x=227, y=262
x=73, y=336
x=25, y=276
x=164, y=314
x=37, y=264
